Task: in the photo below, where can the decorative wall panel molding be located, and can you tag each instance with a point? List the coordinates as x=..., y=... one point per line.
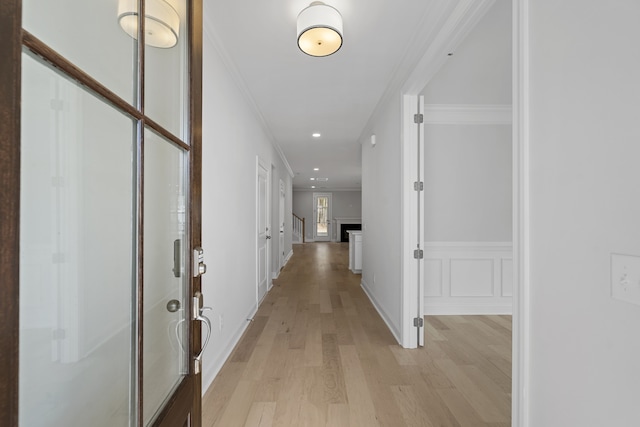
x=468, y=278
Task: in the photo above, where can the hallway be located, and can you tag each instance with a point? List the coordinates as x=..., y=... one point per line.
x=318, y=354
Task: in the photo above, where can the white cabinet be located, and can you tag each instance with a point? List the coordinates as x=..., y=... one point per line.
x=355, y=251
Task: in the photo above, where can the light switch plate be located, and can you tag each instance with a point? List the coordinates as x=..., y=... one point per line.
x=625, y=278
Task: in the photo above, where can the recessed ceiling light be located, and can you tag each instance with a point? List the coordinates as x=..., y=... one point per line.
x=312, y=179
x=316, y=135
x=313, y=186
x=316, y=169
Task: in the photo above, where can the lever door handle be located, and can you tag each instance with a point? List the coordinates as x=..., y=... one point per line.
x=205, y=320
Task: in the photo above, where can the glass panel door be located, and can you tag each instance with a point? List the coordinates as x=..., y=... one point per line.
x=105, y=328
x=322, y=216
x=76, y=260
x=166, y=274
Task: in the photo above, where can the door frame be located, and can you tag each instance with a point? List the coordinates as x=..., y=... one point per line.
x=187, y=398
x=10, y=93
x=521, y=91
x=329, y=213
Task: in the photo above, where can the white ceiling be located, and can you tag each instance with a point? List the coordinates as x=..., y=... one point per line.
x=297, y=95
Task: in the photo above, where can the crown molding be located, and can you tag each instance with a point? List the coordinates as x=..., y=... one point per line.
x=445, y=25
x=211, y=34
x=467, y=114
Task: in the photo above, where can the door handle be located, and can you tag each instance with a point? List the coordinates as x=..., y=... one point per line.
x=199, y=316
x=268, y=237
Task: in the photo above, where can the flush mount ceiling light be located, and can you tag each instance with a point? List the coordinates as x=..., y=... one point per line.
x=319, y=30
x=161, y=24
x=316, y=135
x=316, y=169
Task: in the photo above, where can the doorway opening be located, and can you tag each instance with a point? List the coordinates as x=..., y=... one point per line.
x=322, y=217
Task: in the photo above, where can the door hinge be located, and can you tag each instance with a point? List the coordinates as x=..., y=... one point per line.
x=418, y=254
x=418, y=118
x=418, y=186
x=418, y=322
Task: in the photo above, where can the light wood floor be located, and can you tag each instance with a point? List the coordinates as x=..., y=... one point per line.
x=318, y=354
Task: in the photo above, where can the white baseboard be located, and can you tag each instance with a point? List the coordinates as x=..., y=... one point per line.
x=210, y=374
x=288, y=257
x=381, y=312
x=276, y=274
x=468, y=278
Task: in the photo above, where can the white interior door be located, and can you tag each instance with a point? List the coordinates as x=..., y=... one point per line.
x=281, y=224
x=322, y=217
x=263, y=232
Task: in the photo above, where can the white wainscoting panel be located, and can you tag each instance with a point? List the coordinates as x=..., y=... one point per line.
x=433, y=278
x=468, y=278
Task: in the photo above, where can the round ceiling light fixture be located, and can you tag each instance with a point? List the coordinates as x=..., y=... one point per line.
x=319, y=29
x=161, y=24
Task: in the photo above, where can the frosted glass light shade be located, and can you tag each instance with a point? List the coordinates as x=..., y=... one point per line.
x=319, y=30
x=162, y=23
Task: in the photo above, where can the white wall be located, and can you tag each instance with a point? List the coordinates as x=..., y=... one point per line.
x=232, y=138
x=345, y=204
x=381, y=213
x=467, y=183
x=584, y=205
x=467, y=173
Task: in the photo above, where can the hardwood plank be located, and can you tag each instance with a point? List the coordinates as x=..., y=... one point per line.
x=235, y=414
x=333, y=377
x=324, y=357
x=313, y=346
x=261, y=414
x=244, y=349
x=472, y=392
x=460, y=408
x=410, y=406
x=338, y=415
x=361, y=409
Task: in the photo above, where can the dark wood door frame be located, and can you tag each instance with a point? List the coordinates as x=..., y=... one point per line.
x=12, y=39
x=10, y=49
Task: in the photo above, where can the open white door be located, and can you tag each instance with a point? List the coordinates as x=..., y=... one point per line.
x=413, y=222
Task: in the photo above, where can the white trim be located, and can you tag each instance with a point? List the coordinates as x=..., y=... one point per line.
x=459, y=24
x=520, y=404
x=381, y=312
x=465, y=114
x=449, y=267
x=288, y=257
x=470, y=309
x=409, y=221
x=209, y=375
